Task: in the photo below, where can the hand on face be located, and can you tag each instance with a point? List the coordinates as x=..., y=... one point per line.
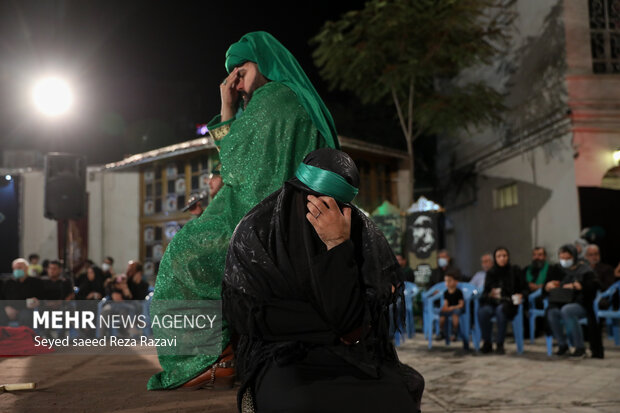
x=229, y=94
x=331, y=225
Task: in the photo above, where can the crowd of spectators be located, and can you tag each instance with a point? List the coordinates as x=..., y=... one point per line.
x=32, y=285
x=569, y=288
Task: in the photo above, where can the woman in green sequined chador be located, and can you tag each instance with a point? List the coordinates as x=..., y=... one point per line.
x=280, y=119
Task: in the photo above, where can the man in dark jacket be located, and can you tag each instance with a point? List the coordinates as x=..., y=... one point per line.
x=604, y=272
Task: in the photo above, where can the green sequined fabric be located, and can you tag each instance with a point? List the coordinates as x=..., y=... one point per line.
x=261, y=151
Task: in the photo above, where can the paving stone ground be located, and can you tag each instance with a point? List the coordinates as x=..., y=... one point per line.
x=530, y=382
x=455, y=382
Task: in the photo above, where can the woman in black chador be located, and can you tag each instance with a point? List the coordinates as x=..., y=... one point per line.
x=503, y=281
x=307, y=288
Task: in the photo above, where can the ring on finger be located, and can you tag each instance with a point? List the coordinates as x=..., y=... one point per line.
x=317, y=215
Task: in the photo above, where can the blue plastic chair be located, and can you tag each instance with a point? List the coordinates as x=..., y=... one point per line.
x=432, y=313
x=428, y=311
x=411, y=291
x=517, y=327
x=611, y=316
x=535, y=312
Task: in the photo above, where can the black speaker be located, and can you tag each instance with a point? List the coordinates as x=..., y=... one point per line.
x=65, y=186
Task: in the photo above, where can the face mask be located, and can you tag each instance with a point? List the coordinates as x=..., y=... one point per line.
x=566, y=263
x=17, y=274
x=442, y=262
x=105, y=266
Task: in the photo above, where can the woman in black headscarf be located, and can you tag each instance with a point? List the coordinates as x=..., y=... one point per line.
x=307, y=287
x=502, y=281
x=91, y=286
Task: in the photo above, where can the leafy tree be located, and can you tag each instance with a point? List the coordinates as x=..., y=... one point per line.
x=413, y=54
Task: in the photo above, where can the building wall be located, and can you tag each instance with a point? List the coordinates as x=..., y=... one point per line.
x=114, y=224
x=39, y=234
x=531, y=74
x=532, y=148
x=113, y=217
x=594, y=151
x=547, y=213
x=593, y=99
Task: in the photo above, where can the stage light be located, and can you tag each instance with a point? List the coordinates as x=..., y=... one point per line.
x=8, y=177
x=52, y=96
x=617, y=156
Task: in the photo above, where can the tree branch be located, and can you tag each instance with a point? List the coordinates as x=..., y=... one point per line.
x=410, y=114
x=400, y=115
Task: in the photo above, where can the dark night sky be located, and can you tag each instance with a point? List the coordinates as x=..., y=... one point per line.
x=145, y=71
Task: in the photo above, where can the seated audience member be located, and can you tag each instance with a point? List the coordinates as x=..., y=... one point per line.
x=305, y=250
x=570, y=300
x=108, y=268
x=81, y=273
x=444, y=264
x=34, y=268
x=537, y=274
x=604, y=273
x=503, y=281
x=56, y=287
x=129, y=286
x=121, y=302
x=44, y=264
x=540, y=271
x=118, y=289
x=23, y=291
x=91, y=287
x=138, y=287
x=581, y=245
x=453, y=304
x=486, y=262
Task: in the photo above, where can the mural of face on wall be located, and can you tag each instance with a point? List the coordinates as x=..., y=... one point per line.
x=424, y=239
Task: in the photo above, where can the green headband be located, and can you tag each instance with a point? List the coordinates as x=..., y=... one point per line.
x=326, y=182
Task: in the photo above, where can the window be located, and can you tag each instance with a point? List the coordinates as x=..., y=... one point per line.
x=505, y=196
x=605, y=35
x=166, y=187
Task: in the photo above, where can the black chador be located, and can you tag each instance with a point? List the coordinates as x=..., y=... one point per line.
x=312, y=324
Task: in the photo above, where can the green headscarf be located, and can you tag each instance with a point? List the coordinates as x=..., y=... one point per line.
x=276, y=63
